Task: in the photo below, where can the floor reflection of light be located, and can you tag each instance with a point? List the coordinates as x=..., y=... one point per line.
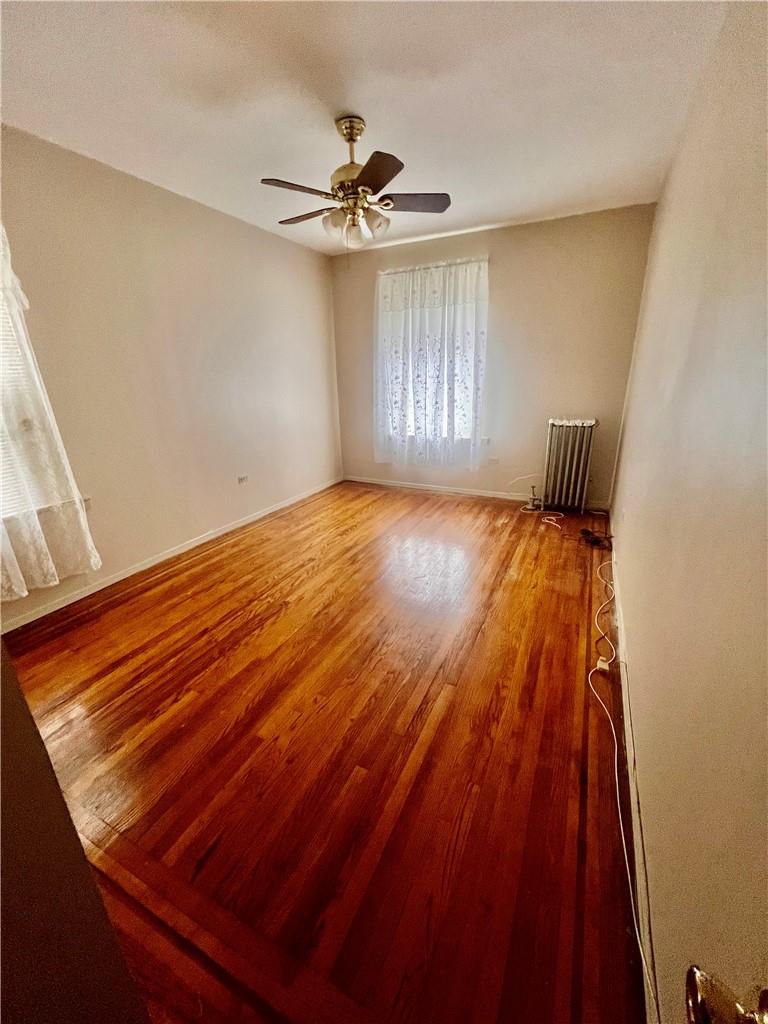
x=427, y=570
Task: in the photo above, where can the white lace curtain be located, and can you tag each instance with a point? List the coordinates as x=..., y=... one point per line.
x=429, y=363
x=45, y=534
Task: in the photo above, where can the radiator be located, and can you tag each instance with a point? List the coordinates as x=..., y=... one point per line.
x=566, y=463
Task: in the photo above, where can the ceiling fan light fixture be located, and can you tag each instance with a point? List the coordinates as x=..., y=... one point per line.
x=377, y=223
x=334, y=224
x=354, y=186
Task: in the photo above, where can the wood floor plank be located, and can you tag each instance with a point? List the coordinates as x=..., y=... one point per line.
x=343, y=765
x=253, y=965
x=178, y=984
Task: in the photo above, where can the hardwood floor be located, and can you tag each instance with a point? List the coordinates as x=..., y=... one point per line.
x=342, y=765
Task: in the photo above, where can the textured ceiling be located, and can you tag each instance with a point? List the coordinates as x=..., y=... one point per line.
x=522, y=111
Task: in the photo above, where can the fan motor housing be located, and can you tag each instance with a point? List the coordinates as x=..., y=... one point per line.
x=345, y=175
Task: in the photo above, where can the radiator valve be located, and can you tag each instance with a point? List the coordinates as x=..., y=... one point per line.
x=534, y=503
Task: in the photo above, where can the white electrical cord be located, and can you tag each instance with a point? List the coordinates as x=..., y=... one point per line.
x=603, y=665
x=552, y=517
x=546, y=517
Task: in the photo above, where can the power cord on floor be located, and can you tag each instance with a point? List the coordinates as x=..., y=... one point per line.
x=603, y=665
x=546, y=516
x=535, y=504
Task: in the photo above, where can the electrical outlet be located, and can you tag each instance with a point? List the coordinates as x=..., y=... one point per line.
x=493, y=459
x=243, y=479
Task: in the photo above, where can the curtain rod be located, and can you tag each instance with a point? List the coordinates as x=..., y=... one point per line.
x=430, y=266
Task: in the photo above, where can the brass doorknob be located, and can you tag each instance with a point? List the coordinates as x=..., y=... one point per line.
x=709, y=1001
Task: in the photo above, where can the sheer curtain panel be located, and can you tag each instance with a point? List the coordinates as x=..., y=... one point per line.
x=429, y=363
x=45, y=534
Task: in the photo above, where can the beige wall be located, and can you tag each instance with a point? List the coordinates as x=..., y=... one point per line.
x=564, y=296
x=180, y=348
x=690, y=516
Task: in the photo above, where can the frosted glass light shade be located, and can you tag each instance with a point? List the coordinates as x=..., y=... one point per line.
x=354, y=237
x=377, y=222
x=334, y=224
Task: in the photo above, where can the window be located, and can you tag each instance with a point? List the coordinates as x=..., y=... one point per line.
x=45, y=534
x=429, y=363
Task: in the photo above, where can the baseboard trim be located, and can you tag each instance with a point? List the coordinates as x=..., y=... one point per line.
x=642, y=894
x=508, y=495
x=438, y=487
x=147, y=563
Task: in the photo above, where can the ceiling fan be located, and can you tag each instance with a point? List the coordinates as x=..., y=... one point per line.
x=358, y=218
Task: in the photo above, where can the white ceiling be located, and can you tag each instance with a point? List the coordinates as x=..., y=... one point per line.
x=522, y=111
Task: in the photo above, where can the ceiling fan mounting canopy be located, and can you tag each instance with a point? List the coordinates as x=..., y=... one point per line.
x=358, y=216
x=350, y=127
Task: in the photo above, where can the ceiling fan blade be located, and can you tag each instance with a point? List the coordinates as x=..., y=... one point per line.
x=380, y=169
x=308, y=216
x=417, y=202
x=279, y=183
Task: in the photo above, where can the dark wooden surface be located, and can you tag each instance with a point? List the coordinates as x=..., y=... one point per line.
x=343, y=765
x=60, y=961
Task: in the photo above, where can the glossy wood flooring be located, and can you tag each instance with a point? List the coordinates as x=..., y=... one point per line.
x=342, y=765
